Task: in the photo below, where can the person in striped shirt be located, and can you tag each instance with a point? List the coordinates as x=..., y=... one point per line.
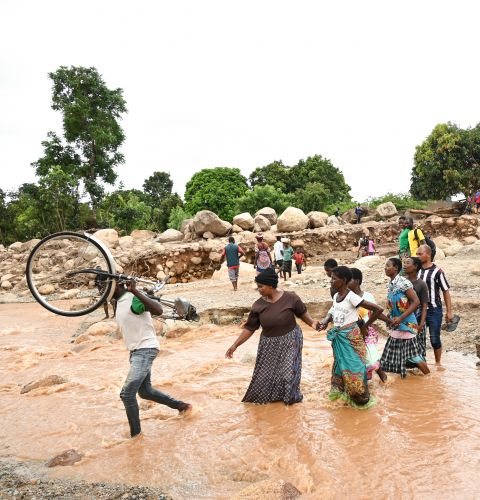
x=436, y=281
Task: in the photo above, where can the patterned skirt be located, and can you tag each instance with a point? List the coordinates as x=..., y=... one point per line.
x=278, y=370
x=399, y=354
x=349, y=371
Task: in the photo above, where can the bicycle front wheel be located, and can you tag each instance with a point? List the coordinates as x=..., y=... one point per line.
x=54, y=273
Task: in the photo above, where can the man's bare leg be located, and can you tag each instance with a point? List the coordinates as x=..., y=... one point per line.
x=438, y=355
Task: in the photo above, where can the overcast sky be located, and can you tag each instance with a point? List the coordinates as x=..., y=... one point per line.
x=241, y=84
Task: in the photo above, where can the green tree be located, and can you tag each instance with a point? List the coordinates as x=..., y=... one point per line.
x=313, y=197
x=157, y=187
x=125, y=210
x=215, y=189
x=161, y=215
x=263, y=196
x=274, y=174
x=319, y=170
x=447, y=163
x=177, y=216
x=58, y=197
x=91, y=113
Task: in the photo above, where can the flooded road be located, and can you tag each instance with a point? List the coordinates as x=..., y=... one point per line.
x=421, y=440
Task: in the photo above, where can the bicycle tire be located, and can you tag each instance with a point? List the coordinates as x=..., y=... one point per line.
x=47, y=273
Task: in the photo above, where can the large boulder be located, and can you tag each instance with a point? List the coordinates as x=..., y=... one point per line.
x=142, y=234
x=206, y=221
x=261, y=223
x=268, y=213
x=107, y=236
x=386, y=210
x=185, y=224
x=126, y=242
x=245, y=221
x=333, y=221
x=292, y=219
x=317, y=219
x=170, y=235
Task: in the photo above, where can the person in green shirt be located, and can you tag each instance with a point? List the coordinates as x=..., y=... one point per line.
x=287, y=253
x=404, y=247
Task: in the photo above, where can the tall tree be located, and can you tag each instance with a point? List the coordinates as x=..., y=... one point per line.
x=319, y=170
x=91, y=113
x=158, y=186
x=274, y=174
x=264, y=196
x=215, y=189
x=447, y=163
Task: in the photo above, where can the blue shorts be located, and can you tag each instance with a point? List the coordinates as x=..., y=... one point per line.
x=434, y=323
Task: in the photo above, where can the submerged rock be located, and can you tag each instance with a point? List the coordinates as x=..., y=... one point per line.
x=44, y=382
x=68, y=457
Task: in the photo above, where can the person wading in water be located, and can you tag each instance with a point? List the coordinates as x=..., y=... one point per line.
x=134, y=310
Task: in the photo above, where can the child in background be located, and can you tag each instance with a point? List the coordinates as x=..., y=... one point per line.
x=299, y=258
x=371, y=246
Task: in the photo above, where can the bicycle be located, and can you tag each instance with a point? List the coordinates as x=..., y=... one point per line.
x=73, y=274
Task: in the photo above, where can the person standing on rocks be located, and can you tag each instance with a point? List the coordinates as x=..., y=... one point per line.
x=278, y=367
x=263, y=259
x=232, y=252
x=436, y=281
x=358, y=213
x=277, y=253
x=134, y=310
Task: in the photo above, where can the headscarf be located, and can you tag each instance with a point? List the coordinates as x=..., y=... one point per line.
x=268, y=277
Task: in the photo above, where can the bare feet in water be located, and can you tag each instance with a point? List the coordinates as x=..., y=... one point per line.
x=382, y=375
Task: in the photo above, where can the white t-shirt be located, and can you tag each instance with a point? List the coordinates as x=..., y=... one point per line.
x=345, y=312
x=277, y=249
x=137, y=329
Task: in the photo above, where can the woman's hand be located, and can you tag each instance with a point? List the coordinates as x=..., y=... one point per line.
x=394, y=322
x=322, y=325
x=315, y=324
x=230, y=351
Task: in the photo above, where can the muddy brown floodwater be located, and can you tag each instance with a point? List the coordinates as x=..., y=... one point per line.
x=422, y=439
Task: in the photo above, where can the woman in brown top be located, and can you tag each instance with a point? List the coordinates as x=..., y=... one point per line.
x=278, y=368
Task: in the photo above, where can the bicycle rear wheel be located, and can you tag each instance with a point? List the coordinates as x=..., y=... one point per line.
x=53, y=274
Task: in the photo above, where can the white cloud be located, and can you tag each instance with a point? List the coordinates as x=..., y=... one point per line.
x=218, y=83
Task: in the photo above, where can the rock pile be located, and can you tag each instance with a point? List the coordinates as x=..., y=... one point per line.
x=195, y=252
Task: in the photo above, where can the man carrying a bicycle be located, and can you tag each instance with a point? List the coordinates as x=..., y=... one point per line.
x=134, y=316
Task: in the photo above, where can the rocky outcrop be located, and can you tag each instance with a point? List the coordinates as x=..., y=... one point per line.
x=244, y=221
x=386, y=210
x=317, y=219
x=108, y=236
x=170, y=235
x=261, y=223
x=292, y=219
x=207, y=221
x=198, y=258
x=268, y=213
